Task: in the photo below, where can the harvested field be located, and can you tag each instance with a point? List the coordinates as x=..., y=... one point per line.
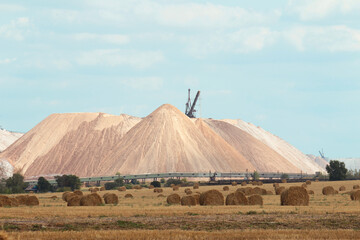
x=147, y=213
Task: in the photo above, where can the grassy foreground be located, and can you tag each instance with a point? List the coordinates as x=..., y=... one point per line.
x=147, y=216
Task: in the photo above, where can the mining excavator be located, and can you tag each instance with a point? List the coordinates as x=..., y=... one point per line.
x=190, y=108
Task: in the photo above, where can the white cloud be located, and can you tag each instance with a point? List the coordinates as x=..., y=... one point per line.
x=318, y=9
x=7, y=60
x=11, y=8
x=144, y=83
x=109, y=38
x=242, y=41
x=330, y=38
x=175, y=14
x=16, y=29
x=117, y=57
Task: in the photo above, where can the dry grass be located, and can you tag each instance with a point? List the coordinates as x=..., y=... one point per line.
x=145, y=203
x=184, y=235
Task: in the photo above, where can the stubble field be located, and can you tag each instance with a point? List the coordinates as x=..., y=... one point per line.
x=147, y=216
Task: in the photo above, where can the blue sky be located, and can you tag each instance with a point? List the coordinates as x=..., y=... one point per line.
x=291, y=67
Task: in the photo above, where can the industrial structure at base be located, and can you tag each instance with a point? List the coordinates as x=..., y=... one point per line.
x=211, y=176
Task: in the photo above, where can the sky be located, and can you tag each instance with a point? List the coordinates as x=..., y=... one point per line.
x=290, y=67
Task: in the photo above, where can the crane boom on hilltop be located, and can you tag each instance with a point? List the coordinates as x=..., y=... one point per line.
x=190, y=108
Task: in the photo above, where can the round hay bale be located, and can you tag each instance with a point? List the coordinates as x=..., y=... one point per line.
x=189, y=192
x=254, y=183
x=92, y=199
x=32, y=201
x=308, y=182
x=197, y=198
x=279, y=190
x=211, y=197
x=342, y=188
x=102, y=189
x=129, y=195
x=188, y=201
x=258, y=191
x=14, y=202
x=21, y=199
x=64, y=195
x=173, y=199
x=3, y=236
x=236, y=198
x=158, y=190
x=175, y=188
x=111, y=198
x=74, y=200
x=304, y=185
x=311, y=192
x=53, y=197
x=78, y=192
x=329, y=190
x=283, y=180
x=69, y=195
x=356, y=187
x=243, y=184
x=250, y=182
x=5, y=201
x=234, y=184
x=268, y=192
x=137, y=187
x=161, y=195
x=247, y=191
x=186, y=189
x=276, y=185
x=90, y=189
x=122, y=189
x=255, y=200
x=94, y=190
x=260, y=183
x=226, y=188
x=151, y=187
x=196, y=186
x=172, y=185
x=355, y=196
x=295, y=196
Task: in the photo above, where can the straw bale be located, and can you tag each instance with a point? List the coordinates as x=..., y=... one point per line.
x=32, y=201
x=69, y=195
x=276, y=185
x=175, y=188
x=329, y=190
x=342, y=188
x=226, y=188
x=196, y=186
x=151, y=187
x=158, y=190
x=122, y=189
x=197, y=198
x=234, y=184
x=14, y=202
x=138, y=187
x=161, y=195
x=268, y=192
x=304, y=185
x=308, y=182
x=92, y=199
x=111, y=198
x=236, y=198
x=129, y=195
x=243, y=184
x=211, y=197
x=74, y=200
x=64, y=195
x=53, y=197
x=173, y=199
x=21, y=199
x=188, y=201
x=5, y=201
x=255, y=200
x=295, y=196
x=279, y=190
x=102, y=189
x=355, y=195
x=356, y=187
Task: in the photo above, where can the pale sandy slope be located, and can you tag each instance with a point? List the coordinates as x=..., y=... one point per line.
x=168, y=141
x=7, y=138
x=289, y=152
x=68, y=143
x=264, y=158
